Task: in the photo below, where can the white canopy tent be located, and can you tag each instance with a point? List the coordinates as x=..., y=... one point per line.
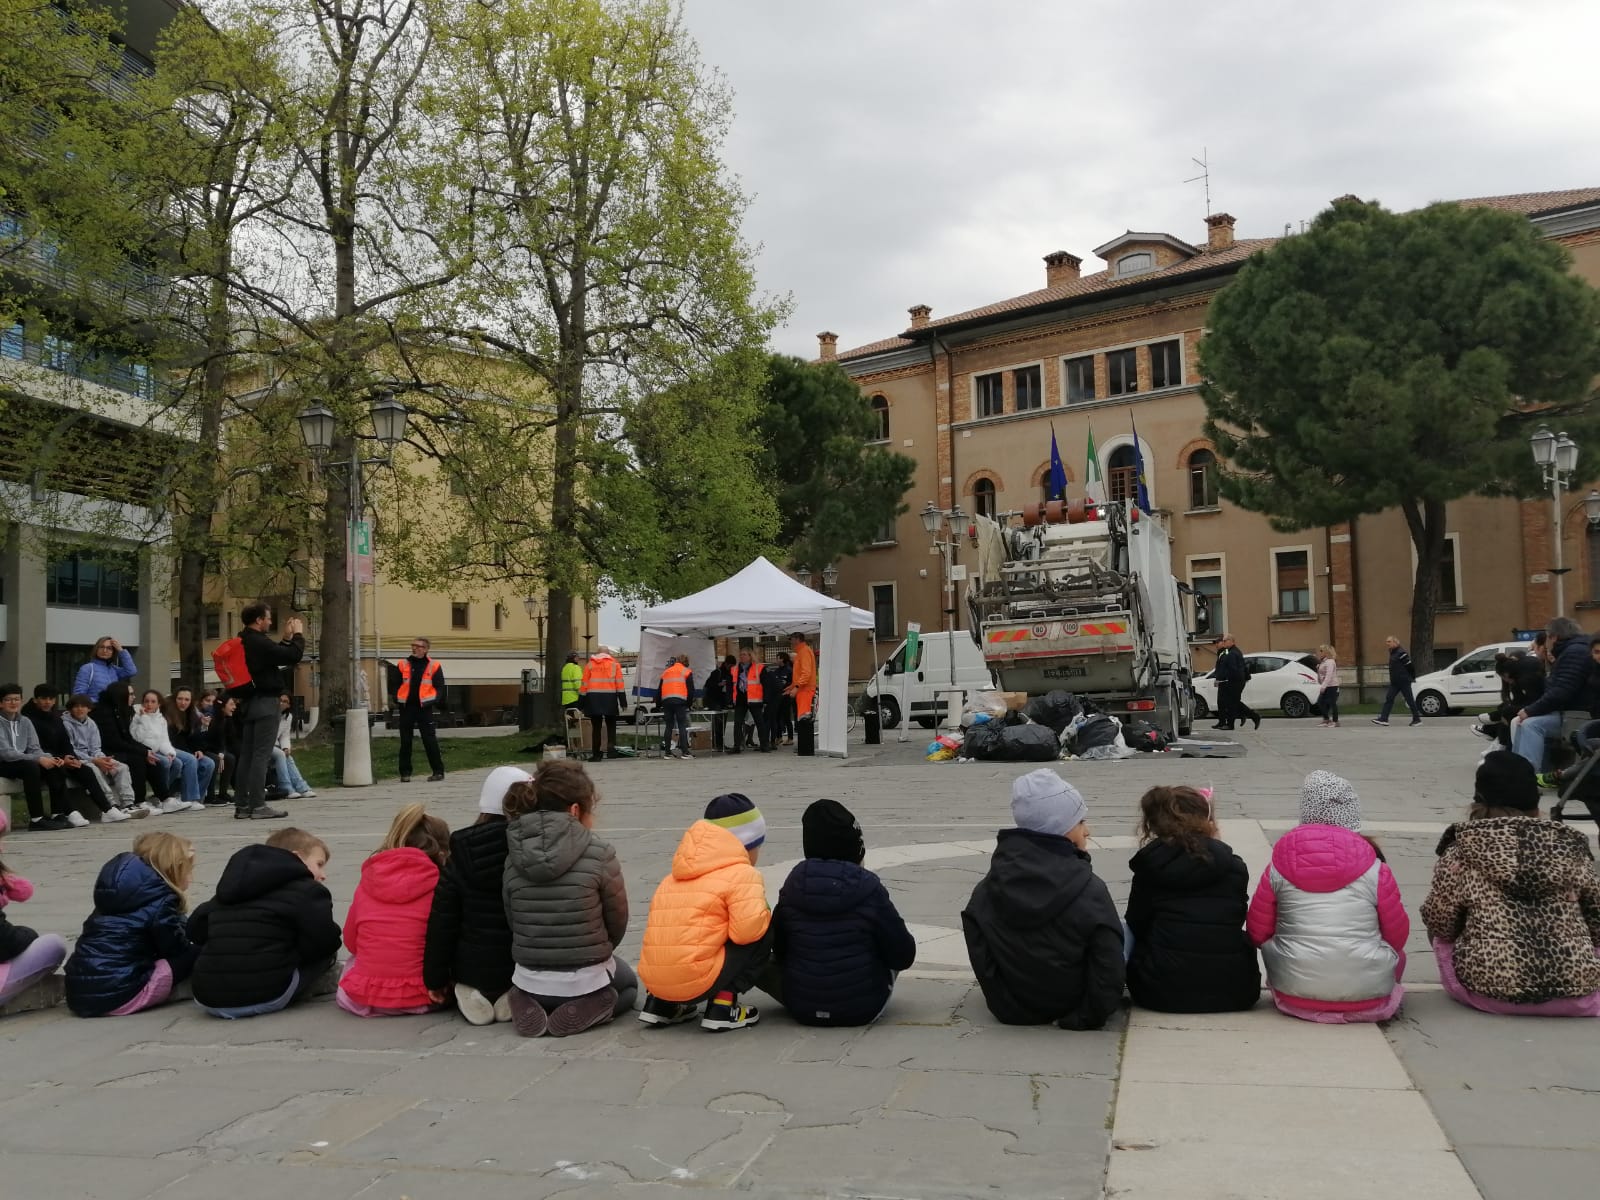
x=762, y=599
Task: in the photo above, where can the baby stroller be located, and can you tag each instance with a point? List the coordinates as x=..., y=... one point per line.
x=1579, y=784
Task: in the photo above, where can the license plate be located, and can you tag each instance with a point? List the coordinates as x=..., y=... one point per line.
x=1065, y=672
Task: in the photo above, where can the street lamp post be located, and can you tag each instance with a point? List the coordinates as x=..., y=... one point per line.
x=935, y=521
x=531, y=606
x=1556, y=455
x=318, y=428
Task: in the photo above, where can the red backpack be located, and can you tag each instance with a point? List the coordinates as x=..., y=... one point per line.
x=232, y=670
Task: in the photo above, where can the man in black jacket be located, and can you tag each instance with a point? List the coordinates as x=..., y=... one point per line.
x=1231, y=674
x=1567, y=687
x=46, y=718
x=718, y=699
x=1042, y=933
x=1401, y=675
x=259, y=711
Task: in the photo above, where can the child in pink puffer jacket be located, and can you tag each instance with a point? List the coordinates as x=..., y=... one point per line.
x=1327, y=914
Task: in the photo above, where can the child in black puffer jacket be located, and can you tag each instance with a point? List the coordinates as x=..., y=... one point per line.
x=840, y=941
x=1186, y=911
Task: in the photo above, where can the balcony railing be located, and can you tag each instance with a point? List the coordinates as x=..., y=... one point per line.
x=130, y=289
x=58, y=354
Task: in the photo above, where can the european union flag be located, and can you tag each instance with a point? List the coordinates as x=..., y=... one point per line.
x=1141, y=495
x=1058, y=470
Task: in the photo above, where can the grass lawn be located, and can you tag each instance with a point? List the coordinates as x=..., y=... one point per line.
x=460, y=754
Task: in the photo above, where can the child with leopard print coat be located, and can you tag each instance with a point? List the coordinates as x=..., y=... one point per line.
x=1514, y=911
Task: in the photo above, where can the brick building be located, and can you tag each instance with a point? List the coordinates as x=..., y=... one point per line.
x=974, y=397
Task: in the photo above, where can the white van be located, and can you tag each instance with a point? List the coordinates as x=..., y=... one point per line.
x=933, y=672
x=1469, y=682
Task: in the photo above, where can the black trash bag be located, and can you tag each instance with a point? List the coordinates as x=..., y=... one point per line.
x=982, y=741
x=1029, y=743
x=1141, y=735
x=1099, y=730
x=1055, y=709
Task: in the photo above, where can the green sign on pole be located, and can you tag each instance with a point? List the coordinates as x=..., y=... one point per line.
x=913, y=643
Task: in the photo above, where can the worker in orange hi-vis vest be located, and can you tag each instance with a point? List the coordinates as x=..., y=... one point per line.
x=602, y=693
x=676, y=690
x=749, y=703
x=803, y=684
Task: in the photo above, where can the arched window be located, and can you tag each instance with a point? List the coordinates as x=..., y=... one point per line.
x=1133, y=264
x=880, y=413
x=1202, y=479
x=1122, y=474
x=983, y=500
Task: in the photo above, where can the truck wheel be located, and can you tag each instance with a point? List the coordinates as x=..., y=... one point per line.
x=1431, y=704
x=1295, y=705
x=888, y=712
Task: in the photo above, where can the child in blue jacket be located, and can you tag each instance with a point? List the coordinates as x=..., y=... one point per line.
x=134, y=948
x=840, y=942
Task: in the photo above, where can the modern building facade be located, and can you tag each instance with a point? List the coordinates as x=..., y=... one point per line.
x=82, y=526
x=976, y=396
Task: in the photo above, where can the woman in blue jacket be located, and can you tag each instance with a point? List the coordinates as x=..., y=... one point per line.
x=108, y=663
x=840, y=943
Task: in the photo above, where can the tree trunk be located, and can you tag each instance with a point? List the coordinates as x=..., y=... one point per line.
x=201, y=501
x=560, y=553
x=1426, y=522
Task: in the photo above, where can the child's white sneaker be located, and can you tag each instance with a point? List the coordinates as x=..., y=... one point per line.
x=307, y=794
x=173, y=805
x=474, y=1005
x=502, y=1009
x=77, y=820
x=112, y=815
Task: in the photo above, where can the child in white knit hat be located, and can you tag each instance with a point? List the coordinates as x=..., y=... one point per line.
x=1042, y=933
x=1327, y=914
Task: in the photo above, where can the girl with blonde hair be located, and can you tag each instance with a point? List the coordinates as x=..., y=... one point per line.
x=387, y=929
x=135, y=948
x=1328, y=680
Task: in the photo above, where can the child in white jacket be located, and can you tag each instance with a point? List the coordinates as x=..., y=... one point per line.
x=149, y=727
x=289, y=777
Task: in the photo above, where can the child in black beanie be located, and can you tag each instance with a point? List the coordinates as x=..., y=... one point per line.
x=840, y=942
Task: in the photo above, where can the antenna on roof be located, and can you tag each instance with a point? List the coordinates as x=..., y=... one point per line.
x=1205, y=174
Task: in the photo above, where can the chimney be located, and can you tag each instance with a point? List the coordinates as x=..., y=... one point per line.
x=1219, y=231
x=919, y=315
x=1060, y=268
x=828, y=347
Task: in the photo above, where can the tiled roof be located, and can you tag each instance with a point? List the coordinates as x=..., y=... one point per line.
x=1534, y=204
x=1099, y=281
x=1531, y=204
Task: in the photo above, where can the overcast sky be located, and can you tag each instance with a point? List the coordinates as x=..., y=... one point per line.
x=932, y=152
x=903, y=152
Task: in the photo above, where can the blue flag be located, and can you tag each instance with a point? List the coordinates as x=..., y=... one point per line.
x=1058, y=470
x=1141, y=495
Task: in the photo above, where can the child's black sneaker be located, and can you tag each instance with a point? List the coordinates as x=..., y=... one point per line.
x=583, y=1012
x=665, y=1012
x=528, y=1016
x=733, y=1015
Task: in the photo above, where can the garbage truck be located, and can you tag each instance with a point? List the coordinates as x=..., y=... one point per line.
x=1081, y=597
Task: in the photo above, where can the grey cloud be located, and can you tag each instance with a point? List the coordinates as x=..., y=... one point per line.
x=931, y=152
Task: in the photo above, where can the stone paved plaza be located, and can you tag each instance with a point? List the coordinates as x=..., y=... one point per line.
x=937, y=1100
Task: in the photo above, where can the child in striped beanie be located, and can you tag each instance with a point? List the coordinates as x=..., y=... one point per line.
x=709, y=935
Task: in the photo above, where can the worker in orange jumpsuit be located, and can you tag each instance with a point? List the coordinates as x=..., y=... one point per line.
x=803, y=684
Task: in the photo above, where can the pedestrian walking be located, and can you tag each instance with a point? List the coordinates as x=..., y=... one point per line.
x=1328, y=681
x=1231, y=674
x=419, y=688
x=1402, y=673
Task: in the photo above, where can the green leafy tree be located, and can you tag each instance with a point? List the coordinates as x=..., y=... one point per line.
x=1385, y=360
x=608, y=266
x=835, y=490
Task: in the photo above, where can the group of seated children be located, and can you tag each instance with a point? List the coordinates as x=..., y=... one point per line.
x=1513, y=912
x=517, y=918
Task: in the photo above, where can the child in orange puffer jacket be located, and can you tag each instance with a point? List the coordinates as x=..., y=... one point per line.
x=709, y=934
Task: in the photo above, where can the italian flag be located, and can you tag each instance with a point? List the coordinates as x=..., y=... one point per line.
x=1093, y=486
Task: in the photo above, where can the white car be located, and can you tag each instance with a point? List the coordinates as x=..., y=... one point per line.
x=1469, y=682
x=1280, y=679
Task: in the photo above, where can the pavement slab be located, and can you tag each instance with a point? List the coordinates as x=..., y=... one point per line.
x=934, y=1100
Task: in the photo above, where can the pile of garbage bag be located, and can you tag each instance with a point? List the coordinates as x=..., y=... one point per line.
x=1094, y=735
x=994, y=741
x=1054, y=709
